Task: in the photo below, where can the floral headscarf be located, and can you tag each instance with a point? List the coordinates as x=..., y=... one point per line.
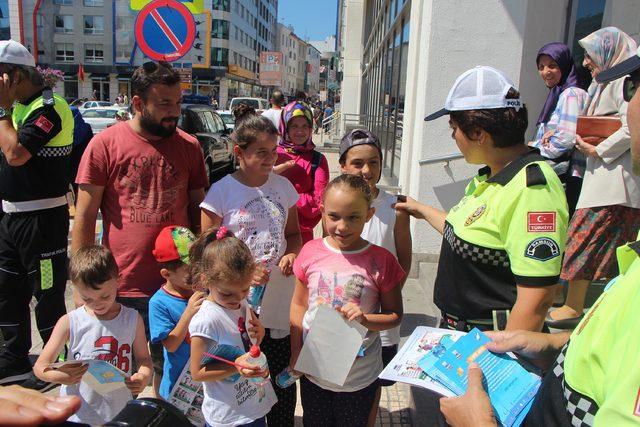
x=606, y=47
x=290, y=111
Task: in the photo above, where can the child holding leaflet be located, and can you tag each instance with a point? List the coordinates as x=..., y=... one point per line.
x=100, y=329
x=224, y=265
x=174, y=304
x=359, y=279
x=259, y=207
x=361, y=154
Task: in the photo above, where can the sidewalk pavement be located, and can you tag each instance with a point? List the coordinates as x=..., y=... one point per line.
x=395, y=401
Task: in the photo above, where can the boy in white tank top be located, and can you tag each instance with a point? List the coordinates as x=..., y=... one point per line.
x=361, y=154
x=100, y=329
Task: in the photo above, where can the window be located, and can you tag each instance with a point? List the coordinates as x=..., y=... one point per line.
x=123, y=52
x=64, y=24
x=64, y=52
x=93, y=53
x=124, y=23
x=93, y=24
x=220, y=29
x=63, y=2
x=93, y=2
x=221, y=5
x=219, y=57
x=585, y=18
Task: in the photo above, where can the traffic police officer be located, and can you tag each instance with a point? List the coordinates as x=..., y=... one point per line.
x=502, y=249
x=36, y=135
x=595, y=380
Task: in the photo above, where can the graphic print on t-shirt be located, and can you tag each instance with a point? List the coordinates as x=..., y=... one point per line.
x=260, y=214
x=338, y=290
x=108, y=349
x=154, y=185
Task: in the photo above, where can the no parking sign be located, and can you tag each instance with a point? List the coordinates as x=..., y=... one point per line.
x=165, y=30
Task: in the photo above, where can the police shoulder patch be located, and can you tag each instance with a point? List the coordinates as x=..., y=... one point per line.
x=542, y=249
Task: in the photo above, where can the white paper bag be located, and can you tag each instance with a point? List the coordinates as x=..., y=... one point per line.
x=276, y=302
x=331, y=346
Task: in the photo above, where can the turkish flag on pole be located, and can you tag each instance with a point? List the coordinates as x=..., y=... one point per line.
x=80, y=73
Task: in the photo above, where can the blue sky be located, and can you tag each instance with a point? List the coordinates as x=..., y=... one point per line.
x=314, y=19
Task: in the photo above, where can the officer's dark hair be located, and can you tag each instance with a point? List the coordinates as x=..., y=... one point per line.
x=151, y=73
x=351, y=182
x=29, y=73
x=505, y=125
x=277, y=98
x=91, y=266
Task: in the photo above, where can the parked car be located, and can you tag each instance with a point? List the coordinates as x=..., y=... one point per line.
x=260, y=104
x=93, y=104
x=100, y=118
x=228, y=118
x=207, y=126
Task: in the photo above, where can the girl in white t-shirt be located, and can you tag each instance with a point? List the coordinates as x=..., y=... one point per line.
x=360, y=279
x=225, y=326
x=259, y=208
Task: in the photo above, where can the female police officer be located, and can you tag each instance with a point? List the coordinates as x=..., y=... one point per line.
x=503, y=242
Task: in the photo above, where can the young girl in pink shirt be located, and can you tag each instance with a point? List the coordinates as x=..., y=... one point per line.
x=360, y=280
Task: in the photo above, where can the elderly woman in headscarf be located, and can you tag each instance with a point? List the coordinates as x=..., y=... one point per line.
x=608, y=210
x=300, y=163
x=557, y=122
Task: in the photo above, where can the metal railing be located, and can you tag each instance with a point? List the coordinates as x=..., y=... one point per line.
x=441, y=159
x=329, y=126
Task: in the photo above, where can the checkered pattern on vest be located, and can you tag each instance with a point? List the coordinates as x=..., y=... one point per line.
x=55, y=151
x=581, y=409
x=482, y=255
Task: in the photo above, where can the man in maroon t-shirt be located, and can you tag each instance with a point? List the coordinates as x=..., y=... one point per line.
x=143, y=174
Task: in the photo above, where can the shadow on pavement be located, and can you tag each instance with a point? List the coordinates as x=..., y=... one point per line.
x=411, y=320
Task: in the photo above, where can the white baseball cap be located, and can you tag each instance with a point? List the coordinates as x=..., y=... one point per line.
x=480, y=88
x=12, y=52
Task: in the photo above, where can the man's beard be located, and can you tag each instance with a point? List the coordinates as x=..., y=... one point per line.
x=156, y=128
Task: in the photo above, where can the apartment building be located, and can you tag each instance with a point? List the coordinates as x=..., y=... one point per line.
x=99, y=36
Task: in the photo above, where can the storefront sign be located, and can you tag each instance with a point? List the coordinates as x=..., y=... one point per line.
x=186, y=78
x=239, y=71
x=271, y=68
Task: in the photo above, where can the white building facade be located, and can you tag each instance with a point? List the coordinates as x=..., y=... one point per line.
x=288, y=43
x=400, y=57
x=312, y=84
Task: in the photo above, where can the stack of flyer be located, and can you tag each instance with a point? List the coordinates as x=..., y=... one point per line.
x=438, y=359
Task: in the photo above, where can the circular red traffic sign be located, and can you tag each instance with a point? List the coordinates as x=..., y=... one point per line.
x=165, y=30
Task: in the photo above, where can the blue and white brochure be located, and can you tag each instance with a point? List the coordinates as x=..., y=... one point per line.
x=511, y=388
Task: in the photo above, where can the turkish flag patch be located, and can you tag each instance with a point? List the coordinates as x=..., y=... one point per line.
x=541, y=222
x=44, y=124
